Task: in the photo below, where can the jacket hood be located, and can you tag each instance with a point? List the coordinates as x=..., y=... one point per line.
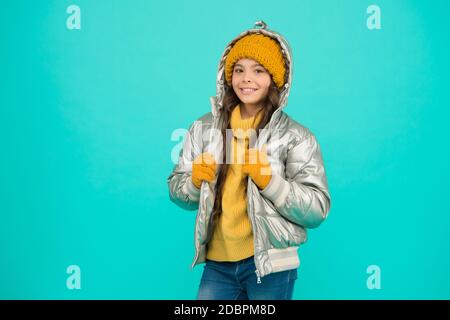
x=259, y=27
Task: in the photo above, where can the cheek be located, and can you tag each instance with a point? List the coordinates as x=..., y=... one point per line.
x=263, y=93
x=235, y=79
x=268, y=82
x=234, y=83
x=264, y=83
x=265, y=86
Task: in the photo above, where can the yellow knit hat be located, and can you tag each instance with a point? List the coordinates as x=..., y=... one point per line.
x=261, y=48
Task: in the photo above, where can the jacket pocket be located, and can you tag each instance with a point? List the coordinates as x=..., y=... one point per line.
x=281, y=232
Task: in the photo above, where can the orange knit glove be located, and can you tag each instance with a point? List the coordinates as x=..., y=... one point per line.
x=257, y=166
x=203, y=168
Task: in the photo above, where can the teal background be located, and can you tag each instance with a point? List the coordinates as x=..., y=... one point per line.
x=85, y=136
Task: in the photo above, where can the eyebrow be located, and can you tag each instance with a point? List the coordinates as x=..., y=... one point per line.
x=254, y=65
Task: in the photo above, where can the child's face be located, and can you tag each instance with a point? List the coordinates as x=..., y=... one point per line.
x=248, y=73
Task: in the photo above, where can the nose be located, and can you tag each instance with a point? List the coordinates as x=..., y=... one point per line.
x=246, y=77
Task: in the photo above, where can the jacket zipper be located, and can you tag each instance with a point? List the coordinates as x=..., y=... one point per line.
x=258, y=277
x=258, y=280
x=195, y=243
x=197, y=249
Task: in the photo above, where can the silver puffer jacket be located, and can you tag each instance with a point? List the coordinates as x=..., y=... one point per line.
x=296, y=197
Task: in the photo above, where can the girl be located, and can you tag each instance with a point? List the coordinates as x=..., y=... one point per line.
x=254, y=174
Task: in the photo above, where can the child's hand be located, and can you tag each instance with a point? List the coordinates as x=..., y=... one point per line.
x=203, y=168
x=257, y=166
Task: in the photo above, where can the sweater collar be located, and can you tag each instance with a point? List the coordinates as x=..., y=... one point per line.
x=236, y=121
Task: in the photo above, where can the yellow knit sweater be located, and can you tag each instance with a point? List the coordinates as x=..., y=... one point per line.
x=232, y=239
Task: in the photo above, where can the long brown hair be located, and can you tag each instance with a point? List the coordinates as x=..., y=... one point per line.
x=230, y=101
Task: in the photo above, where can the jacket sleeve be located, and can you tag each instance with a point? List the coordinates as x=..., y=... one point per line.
x=303, y=197
x=181, y=189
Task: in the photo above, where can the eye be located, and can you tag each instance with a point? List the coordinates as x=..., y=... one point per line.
x=259, y=70
x=236, y=70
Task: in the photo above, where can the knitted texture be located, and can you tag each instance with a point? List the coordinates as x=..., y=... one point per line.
x=232, y=239
x=203, y=168
x=261, y=48
x=257, y=166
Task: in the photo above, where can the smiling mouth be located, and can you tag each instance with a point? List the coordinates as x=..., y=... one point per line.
x=248, y=90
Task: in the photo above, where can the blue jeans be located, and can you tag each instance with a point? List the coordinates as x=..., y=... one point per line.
x=238, y=281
